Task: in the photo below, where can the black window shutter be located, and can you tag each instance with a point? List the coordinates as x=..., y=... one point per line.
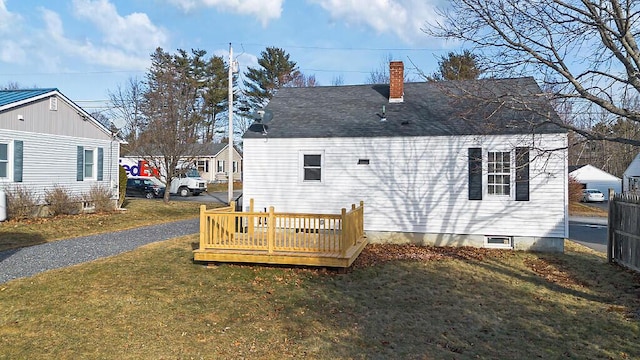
x=522, y=174
x=100, y=163
x=18, y=149
x=475, y=173
x=80, y=164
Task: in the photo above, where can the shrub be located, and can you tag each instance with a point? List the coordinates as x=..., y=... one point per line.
x=122, y=185
x=22, y=203
x=575, y=190
x=100, y=197
x=61, y=201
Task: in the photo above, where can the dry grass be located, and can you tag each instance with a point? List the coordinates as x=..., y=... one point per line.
x=397, y=302
x=221, y=187
x=580, y=209
x=14, y=234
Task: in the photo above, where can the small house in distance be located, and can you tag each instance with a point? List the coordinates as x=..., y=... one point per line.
x=47, y=140
x=212, y=162
x=631, y=177
x=593, y=178
x=448, y=163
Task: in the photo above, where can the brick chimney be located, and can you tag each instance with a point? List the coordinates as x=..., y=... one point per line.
x=396, y=82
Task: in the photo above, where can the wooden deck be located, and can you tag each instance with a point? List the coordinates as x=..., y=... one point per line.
x=333, y=240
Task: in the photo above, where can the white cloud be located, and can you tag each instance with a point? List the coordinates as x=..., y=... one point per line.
x=403, y=18
x=109, y=55
x=11, y=47
x=263, y=10
x=134, y=32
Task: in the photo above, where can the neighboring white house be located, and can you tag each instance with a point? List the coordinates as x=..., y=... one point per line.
x=432, y=164
x=631, y=177
x=48, y=140
x=593, y=178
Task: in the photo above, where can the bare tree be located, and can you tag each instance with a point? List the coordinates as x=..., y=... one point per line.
x=302, y=80
x=337, y=80
x=11, y=85
x=126, y=106
x=586, y=50
x=170, y=105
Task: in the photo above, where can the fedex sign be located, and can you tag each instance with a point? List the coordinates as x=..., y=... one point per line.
x=141, y=168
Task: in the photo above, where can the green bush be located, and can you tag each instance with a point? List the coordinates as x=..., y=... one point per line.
x=22, y=203
x=100, y=197
x=122, y=185
x=61, y=201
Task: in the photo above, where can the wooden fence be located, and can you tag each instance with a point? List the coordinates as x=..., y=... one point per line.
x=291, y=238
x=624, y=230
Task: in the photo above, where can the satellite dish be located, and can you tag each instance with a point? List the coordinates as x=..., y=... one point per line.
x=263, y=116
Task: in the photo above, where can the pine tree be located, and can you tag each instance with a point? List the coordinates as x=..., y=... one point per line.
x=275, y=72
x=457, y=67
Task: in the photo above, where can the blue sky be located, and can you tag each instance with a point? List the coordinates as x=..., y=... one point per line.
x=87, y=48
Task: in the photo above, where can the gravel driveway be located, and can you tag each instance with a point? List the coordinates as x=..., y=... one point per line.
x=28, y=261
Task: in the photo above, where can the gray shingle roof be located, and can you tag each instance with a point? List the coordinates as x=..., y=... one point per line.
x=489, y=106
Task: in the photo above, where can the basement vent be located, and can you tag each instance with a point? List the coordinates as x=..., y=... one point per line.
x=498, y=242
x=363, y=161
x=53, y=103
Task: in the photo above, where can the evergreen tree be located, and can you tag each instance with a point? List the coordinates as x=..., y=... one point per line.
x=275, y=72
x=457, y=67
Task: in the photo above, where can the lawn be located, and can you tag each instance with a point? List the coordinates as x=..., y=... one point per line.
x=397, y=301
x=140, y=212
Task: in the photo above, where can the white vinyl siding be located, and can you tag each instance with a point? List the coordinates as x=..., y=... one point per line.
x=411, y=184
x=51, y=160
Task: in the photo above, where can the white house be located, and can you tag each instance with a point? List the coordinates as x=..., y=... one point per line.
x=48, y=140
x=447, y=163
x=631, y=177
x=593, y=178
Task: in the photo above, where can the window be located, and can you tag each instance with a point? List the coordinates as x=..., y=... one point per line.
x=220, y=166
x=499, y=173
x=4, y=161
x=235, y=166
x=312, y=167
x=498, y=242
x=89, y=172
x=203, y=165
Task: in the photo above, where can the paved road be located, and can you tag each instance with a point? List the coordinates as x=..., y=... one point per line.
x=589, y=231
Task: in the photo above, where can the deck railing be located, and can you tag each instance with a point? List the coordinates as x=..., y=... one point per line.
x=226, y=229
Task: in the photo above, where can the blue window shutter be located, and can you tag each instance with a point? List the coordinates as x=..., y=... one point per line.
x=100, y=162
x=18, y=146
x=475, y=173
x=522, y=174
x=80, y=164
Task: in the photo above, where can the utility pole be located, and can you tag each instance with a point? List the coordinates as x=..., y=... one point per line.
x=230, y=166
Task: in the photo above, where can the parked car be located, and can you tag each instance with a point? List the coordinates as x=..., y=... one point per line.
x=592, y=195
x=144, y=187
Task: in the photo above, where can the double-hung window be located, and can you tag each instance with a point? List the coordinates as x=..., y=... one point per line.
x=89, y=164
x=499, y=173
x=4, y=161
x=220, y=166
x=312, y=167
